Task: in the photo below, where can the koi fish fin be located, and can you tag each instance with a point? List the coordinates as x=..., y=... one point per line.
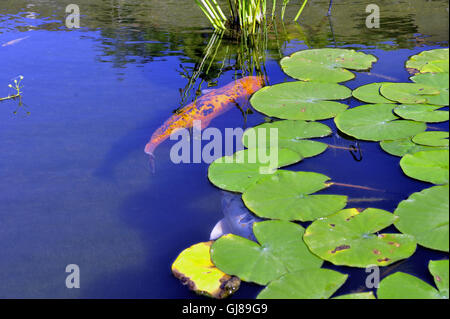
x=152, y=163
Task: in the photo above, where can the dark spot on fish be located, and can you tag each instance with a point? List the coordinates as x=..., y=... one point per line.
x=339, y=248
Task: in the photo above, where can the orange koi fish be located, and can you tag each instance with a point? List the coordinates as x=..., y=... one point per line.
x=205, y=109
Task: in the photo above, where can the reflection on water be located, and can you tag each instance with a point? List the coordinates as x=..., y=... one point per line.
x=75, y=186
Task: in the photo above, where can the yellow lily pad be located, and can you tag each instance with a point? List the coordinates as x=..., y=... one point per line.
x=195, y=269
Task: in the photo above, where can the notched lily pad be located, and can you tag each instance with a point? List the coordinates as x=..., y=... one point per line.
x=288, y=195
x=281, y=250
x=347, y=238
x=195, y=269
x=404, y=146
x=370, y=93
x=436, y=80
x=422, y=113
x=326, y=65
x=305, y=284
x=408, y=93
x=425, y=216
x=419, y=61
x=428, y=166
x=405, y=286
x=292, y=135
x=309, y=101
x=242, y=169
x=376, y=122
x=432, y=138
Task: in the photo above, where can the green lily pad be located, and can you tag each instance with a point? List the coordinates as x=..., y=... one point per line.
x=376, y=122
x=436, y=80
x=408, y=93
x=428, y=166
x=242, y=169
x=305, y=284
x=287, y=195
x=292, y=135
x=360, y=295
x=195, y=269
x=281, y=250
x=301, y=100
x=370, y=93
x=425, y=216
x=405, y=286
x=404, y=146
x=422, y=113
x=436, y=66
x=418, y=61
x=347, y=238
x=432, y=138
x=440, y=269
x=326, y=65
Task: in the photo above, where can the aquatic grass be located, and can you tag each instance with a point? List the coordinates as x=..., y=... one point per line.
x=245, y=15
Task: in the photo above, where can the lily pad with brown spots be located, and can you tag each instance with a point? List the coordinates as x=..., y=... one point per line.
x=348, y=238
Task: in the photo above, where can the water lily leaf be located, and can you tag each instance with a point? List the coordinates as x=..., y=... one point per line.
x=422, y=113
x=408, y=93
x=432, y=138
x=195, y=269
x=281, y=250
x=418, y=61
x=436, y=80
x=305, y=284
x=376, y=122
x=436, y=66
x=405, y=286
x=425, y=216
x=287, y=195
x=292, y=135
x=347, y=238
x=301, y=100
x=326, y=65
x=440, y=269
x=404, y=146
x=370, y=93
x=361, y=295
x=242, y=169
x=428, y=166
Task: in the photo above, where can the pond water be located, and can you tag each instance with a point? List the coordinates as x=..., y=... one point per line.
x=75, y=184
